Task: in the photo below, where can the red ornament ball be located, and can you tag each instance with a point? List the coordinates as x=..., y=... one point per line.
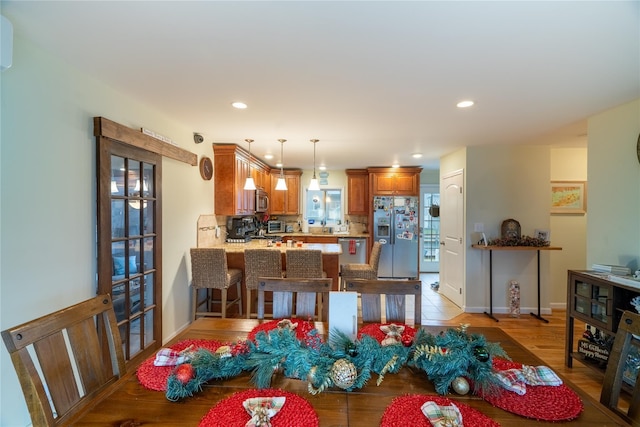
x=407, y=340
x=185, y=373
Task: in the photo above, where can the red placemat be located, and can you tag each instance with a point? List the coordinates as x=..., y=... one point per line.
x=302, y=330
x=373, y=330
x=546, y=403
x=404, y=411
x=155, y=377
x=229, y=412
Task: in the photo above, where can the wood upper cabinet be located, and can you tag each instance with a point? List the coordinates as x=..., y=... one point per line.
x=285, y=202
x=357, y=191
x=398, y=181
x=230, y=171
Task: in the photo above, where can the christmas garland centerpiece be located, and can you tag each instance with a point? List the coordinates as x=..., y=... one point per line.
x=449, y=359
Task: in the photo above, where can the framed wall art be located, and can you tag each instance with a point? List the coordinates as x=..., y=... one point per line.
x=568, y=197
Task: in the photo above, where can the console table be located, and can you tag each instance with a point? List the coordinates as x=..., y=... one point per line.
x=513, y=248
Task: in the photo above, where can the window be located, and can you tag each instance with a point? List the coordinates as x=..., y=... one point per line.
x=324, y=207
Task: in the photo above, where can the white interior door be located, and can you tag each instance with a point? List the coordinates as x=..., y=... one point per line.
x=451, y=233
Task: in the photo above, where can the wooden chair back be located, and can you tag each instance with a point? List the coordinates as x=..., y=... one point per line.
x=624, y=344
x=395, y=292
x=305, y=292
x=79, y=353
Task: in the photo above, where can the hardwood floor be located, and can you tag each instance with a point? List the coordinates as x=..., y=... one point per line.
x=546, y=340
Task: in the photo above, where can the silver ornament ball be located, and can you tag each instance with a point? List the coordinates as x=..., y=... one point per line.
x=460, y=385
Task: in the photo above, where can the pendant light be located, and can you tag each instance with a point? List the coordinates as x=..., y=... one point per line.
x=249, y=184
x=282, y=183
x=313, y=184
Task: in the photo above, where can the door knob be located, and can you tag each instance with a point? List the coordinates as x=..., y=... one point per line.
x=442, y=243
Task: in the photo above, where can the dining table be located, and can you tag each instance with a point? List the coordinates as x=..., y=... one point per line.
x=128, y=403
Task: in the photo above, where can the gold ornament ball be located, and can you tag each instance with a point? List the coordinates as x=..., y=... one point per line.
x=343, y=373
x=460, y=385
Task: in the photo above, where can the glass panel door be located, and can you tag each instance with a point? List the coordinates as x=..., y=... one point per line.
x=430, y=241
x=129, y=250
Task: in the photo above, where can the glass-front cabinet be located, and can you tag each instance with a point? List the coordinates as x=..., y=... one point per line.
x=594, y=302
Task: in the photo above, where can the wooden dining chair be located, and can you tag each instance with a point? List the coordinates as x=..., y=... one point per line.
x=260, y=263
x=625, y=340
x=363, y=271
x=71, y=355
x=395, y=293
x=209, y=271
x=305, y=292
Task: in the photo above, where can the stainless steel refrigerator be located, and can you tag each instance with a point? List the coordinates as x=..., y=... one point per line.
x=396, y=226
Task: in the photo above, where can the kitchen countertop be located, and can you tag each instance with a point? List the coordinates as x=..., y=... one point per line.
x=345, y=235
x=326, y=248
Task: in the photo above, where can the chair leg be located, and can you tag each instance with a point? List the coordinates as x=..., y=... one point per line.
x=249, y=303
x=239, y=296
x=194, y=294
x=223, y=303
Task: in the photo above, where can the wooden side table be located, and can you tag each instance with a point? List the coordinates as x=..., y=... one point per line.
x=513, y=248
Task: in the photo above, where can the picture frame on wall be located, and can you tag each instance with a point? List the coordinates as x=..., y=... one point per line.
x=569, y=197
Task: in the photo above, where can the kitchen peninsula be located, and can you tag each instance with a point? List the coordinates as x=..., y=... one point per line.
x=330, y=255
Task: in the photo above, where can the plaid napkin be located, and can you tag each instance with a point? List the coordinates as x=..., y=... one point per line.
x=442, y=416
x=516, y=379
x=169, y=357
x=262, y=409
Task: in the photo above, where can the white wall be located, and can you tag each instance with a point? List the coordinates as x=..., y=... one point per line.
x=48, y=222
x=503, y=182
x=567, y=231
x=613, y=229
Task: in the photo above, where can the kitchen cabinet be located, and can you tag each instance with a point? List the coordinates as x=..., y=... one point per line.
x=596, y=301
x=357, y=192
x=395, y=181
x=230, y=171
x=285, y=202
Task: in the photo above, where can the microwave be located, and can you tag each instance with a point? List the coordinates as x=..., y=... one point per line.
x=262, y=201
x=275, y=227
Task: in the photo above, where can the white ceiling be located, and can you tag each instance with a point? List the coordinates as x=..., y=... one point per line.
x=373, y=81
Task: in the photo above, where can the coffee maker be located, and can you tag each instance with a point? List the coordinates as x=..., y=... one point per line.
x=240, y=229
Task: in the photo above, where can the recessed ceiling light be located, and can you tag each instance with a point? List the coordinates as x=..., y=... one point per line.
x=279, y=165
x=395, y=165
x=239, y=105
x=416, y=155
x=268, y=156
x=464, y=104
x=322, y=167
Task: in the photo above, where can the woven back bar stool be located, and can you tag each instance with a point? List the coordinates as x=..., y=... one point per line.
x=210, y=272
x=260, y=263
x=362, y=271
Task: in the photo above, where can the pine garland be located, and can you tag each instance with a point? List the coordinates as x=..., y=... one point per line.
x=443, y=357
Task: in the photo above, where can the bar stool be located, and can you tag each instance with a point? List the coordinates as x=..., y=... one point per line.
x=304, y=263
x=209, y=271
x=260, y=263
x=363, y=271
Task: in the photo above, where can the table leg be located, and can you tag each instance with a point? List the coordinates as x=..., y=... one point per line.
x=533, y=314
x=490, y=313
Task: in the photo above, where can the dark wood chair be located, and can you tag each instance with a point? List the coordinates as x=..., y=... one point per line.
x=395, y=292
x=79, y=354
x=305, y=293
x=613, y=378
x=210, y=272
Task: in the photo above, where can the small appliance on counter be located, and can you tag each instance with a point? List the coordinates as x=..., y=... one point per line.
x=275, y=227
x=240, y=229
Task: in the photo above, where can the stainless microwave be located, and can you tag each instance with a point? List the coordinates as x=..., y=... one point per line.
x=262, y=200
x=275, y=227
